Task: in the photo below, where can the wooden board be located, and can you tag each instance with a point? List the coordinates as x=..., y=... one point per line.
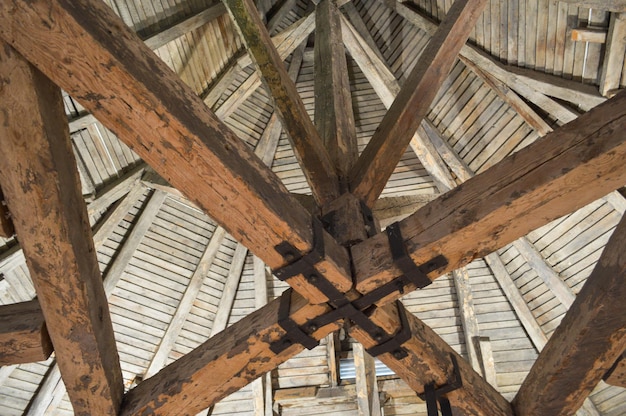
x=23, y=334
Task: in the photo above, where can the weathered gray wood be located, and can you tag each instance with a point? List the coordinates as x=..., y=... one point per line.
x=381, y=155
x=230, y=290
x=307, y=143
x=590, y=338
x=468, y=317
x=486, y=360
x=177, y=130
x=367, y=397
x=59, y=250
x=613, y=62
x=588, y=34
x=116, y=190
x=44, y=398
x=611, y=5
x=23, y=334
x=524, y=191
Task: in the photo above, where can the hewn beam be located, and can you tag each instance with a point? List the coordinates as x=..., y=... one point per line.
x=390, y=140
x=615, y=51
x=590, y=338
x=334, y=117
x=429, y=360
x=44, y=196
x=23, y=334
x=185, y=143
x=222, y=365
x=616, y=376
x=6, y=225
x=305, y=140
x=519, y=194
x=611, y=5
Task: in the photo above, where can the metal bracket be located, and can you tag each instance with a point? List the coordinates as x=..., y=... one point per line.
x=454, y=382
x=368, y=219
x=295, y=335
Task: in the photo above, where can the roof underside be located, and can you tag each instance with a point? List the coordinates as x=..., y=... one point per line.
x=171, y=266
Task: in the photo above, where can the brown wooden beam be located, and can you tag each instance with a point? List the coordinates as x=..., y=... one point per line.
x=590, y=338
x=222, y=365
x=23, y=334
x=616, y=376
x=429, y=360
x=383, y=152
x=334, y=117
x=167, y=125
x=305, y=140
x=44, y=196
x=561, y=172
x=6, y=225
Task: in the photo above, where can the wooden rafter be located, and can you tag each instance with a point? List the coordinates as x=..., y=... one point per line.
x=23, y=334
x=590, y=338
x=59, y=251
x=383, y=152
x=306, y=142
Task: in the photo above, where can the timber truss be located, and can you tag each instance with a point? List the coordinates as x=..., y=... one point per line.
x=339, y=266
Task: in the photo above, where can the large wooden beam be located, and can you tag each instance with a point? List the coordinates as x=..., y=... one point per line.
x=590, y=338
x=334, y=117
x=306, y=142
x=44, y=196
x=383, y=152
x=222, y=365
x=616, y=376
x=164, y=122
x=429, y=359
x=23, y=334
x=563, y=171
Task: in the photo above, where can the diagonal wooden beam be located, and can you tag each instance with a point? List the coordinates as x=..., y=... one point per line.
x=23, y=334
x=429, y=360
x=44, y=196
x=169, y=127
x=519, y=194
x=222, y=365
x=334, y=116
x=305, y=140
x=616, y=376
x=591, y=336
x=380, y=157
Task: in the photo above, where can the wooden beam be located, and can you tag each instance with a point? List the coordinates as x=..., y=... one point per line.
x=526, y=190
x=305, y=140
x=469, y=322
x=185, y=143
x=589, y=34
x=230, y=290
x=610, y=5
x=334, y=116
x=613, y=62
x=429, y=360
x=6, y=225
x=367, y=397
x=590, y=338
x=59, y=250
x=394, y=133
x=115, y=190
x=486, y=361
x=223, y=364
x=23, y=334
x=616, y=376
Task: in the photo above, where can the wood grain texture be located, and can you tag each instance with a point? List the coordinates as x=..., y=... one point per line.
x=515, y=196
x=590, y=338
x=6, y=225
x=222, y=365
x=380, y=157
x=307, y=144
x=165, y=123
x=23, y=334
x=616, y=376
x=44, y=195
x=611, y=5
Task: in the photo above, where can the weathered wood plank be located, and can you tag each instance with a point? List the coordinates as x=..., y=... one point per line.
x=367, y=397
x=307, y=143
x=468, y=315
x=380, y=157
x=611, y=5
x=429, y=360
x=525, y=191
x=614, y=55
x=23, y=334
x=59, y=251
x=222, y=365
x=590, y=338
x=334, y=117
x=586, y=34
x=138, y=93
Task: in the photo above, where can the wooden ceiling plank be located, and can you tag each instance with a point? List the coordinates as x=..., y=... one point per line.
x=261, y=387
x=590, y=338
x=48, y=391
x=429, y=360
x=6, y=225
x=116, y=190
x=334, y=116
x=367, y=397
x=169, y=127
x=525, y=190
x=59, y=250
x=223, y=364
x=380, y=157
x=23, y=334
x=614, y=55
x=307, y=144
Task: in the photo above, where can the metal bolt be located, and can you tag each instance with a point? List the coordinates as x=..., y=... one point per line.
x=398, y=354
x=378, y=337
x=313, y=277
x=313, y=327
